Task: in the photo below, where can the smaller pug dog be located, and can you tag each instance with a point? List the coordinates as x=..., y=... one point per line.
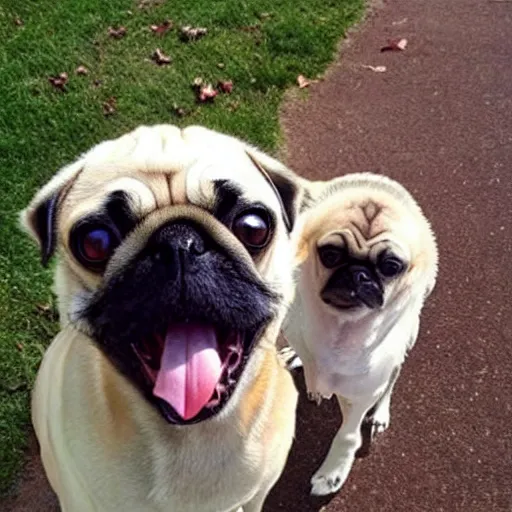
x=163, y=391
x=369, y=261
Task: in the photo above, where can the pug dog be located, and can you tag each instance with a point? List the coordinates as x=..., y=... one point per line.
x=368, y=262
x=163, y=390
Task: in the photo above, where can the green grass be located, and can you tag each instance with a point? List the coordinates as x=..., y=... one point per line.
x=42, y=128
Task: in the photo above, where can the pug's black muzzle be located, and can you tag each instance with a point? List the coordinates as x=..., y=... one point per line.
x=354, y=285
x=181, y=276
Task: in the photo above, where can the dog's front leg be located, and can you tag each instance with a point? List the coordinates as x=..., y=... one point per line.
x=336, y=467
x=379, y=416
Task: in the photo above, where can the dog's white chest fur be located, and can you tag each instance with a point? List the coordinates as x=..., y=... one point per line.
x=349, y=357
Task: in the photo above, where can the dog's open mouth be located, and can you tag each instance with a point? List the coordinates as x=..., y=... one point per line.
x=192, y=369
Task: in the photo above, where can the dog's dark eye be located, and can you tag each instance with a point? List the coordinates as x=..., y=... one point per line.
x=253, y=229
x=330, y=255
x=93, y=245
x=390, y=266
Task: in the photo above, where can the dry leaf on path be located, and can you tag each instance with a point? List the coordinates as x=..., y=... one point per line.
x=81, y=70
x=303, y=82
x=117, y=33
x=160, y=58
x=109, y=107
x=161, y=29
x=206, y=93
x=395, y=45
x=189, y=33
x=59, y=81
x=399, y=22
x=225, y=86
x=377, y=69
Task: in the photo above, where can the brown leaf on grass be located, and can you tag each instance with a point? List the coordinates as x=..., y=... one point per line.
x=198, y=81
x=18, y=22
x=250, y=28
x=161, y=29
x=59, y=81
x=377, y=69
x=81, y=70
x=233, y=106
x=109, y=106
x=117, y=33
x=43, y=308
x=161, y=58
x=20, y=347
x=206, y=93
x=189, y=33
x=303, y=82
x=179, y=111
x=394, y=45
x=225, y=86
x=146, y=4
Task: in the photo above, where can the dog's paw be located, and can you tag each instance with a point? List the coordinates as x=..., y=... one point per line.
x=379, y=420
x=328, y=483
x=290, y=358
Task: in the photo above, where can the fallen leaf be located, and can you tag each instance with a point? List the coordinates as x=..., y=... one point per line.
x=189, y=33
x=395, y=45
x=18, y=22
x=225, y=86
x=117, y=33
x=161, y=29
x=179, y=111
x=221, y=65
x=43, y=308
x=59, y=81
x=303, y=82
x=20, y=347
x=145, y=4
x=109, y=106
x=160, y=58
x=206, y=93
x=377, y=69
x=81, y=70
x=250, y=28
x=399, y=22
x=233, y=106
x=198, y=81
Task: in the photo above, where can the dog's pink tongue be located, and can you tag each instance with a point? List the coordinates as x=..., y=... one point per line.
x=190, y=368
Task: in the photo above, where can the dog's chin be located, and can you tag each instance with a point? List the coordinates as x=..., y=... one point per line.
x=190, y=371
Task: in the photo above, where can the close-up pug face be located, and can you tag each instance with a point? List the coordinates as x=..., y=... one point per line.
x=174, y=246
x=365, y=246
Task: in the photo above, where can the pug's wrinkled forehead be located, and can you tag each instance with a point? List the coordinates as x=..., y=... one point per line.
x=162, y=166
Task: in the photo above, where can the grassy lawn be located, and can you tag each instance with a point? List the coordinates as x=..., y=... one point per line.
x=260, y=45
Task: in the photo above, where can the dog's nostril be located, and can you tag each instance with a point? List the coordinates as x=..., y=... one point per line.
x=361, y=277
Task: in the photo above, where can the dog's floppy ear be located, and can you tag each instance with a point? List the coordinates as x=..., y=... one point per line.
x=286, y=184
x=39, y=219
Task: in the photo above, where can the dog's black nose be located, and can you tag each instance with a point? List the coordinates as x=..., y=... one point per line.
x=177, y=243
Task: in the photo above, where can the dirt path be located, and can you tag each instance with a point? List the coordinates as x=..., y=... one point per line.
x=440, y=121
